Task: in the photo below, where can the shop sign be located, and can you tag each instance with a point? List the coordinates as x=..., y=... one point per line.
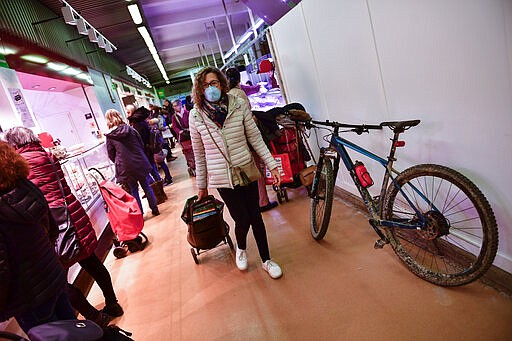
x=161, y=94
x=3, y=62
x=21, y=107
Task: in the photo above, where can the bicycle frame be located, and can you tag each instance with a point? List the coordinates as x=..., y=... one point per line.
x=374, y=206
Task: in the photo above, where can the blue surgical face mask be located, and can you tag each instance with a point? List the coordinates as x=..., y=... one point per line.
x=212, y=93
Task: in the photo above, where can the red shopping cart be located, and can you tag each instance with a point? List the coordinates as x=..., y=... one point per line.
x=125, y=217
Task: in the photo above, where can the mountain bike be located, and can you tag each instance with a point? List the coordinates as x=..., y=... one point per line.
x=437, y=221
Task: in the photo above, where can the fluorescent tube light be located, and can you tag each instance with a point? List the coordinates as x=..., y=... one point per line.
x=35, y=58
x=56, y=66
x=246, y=36
x=71, y=71
x=135, y=13
x=7, y=50
x=258, y=23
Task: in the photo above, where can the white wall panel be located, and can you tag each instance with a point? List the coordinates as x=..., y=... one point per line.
x=296, y=62
x=448, y=63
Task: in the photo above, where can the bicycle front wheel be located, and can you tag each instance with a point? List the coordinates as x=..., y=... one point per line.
x=460, y=238
x=321, y=200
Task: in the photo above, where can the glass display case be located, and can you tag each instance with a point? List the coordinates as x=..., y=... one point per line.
x=82, y=181
x=266, y=99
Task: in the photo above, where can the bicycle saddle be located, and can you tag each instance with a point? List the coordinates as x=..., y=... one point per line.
x=400, y=125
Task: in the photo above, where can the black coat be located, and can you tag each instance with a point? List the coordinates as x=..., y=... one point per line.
x=30, y=271
x=125, y=149
x=138, y=122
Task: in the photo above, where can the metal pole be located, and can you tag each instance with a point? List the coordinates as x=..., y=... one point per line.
x=210, y=45
x=218, y=42
x=229, y=27
x=252, y=22
x=201, y=54
x=206, y=55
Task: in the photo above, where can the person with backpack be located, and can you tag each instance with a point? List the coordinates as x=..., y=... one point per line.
x=46, y=174
x=181, y=129
x=125, y=149
x=157, y=142
x=32, y=279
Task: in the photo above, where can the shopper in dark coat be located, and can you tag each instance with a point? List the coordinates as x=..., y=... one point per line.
x=32, y=280
x=138, y=120
x=46, y=173
x=125, y=148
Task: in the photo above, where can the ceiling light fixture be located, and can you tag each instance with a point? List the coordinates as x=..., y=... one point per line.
x=93, y=38
x=69, y=16
x=244, y=38
x=152, y=49
x=34, y=58
x=135, y=13
x=52, y=88
x=82, y=26
x=73, y=18
x=56, y=66
x=7, y=50
x=71, y=71
x=131, y=72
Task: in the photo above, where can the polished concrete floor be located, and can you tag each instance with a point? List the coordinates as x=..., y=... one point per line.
x=336, y=289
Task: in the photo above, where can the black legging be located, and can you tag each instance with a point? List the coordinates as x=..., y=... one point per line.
x=243, y=205
x=94, y=267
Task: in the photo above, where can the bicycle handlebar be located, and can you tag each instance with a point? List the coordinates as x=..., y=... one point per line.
x=396, y=126
x=357, y=128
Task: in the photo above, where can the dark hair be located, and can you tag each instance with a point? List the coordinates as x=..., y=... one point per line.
x=198, y=90
x=233, y=76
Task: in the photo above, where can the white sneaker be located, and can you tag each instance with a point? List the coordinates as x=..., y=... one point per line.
x=241, y=259
x=273, y=269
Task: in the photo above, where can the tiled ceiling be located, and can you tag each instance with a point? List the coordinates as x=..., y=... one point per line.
x=181, y=29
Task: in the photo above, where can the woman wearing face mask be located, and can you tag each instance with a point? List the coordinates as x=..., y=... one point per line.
x=221, y=128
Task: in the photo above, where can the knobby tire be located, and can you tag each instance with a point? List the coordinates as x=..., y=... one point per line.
x=321, y=202
x=461, y=239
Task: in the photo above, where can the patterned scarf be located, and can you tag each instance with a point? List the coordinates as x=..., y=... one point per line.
x=217, y=112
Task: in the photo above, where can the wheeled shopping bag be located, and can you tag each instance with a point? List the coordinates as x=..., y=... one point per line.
x=206, y=226
x=125, y=217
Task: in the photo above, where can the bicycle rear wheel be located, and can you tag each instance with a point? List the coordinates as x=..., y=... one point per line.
x=460, y=239
x=321, y=202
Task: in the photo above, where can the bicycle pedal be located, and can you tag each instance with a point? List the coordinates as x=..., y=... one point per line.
x=379, y=244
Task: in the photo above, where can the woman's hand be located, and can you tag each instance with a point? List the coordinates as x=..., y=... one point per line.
x=276, y=176
x=203, y=193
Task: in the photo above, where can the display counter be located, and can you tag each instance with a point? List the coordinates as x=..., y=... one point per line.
x=84, y=187
x=266, y=99
x=80, y=179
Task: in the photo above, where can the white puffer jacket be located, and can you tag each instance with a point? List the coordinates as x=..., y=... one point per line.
x=212, y=169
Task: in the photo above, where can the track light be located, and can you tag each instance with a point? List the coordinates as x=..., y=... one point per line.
x=101, y=41
x=82, y=26
x=69, y=17
x=73, y=18
x=93, y=38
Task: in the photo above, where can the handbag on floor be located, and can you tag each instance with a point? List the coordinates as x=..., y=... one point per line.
x=158, y=189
